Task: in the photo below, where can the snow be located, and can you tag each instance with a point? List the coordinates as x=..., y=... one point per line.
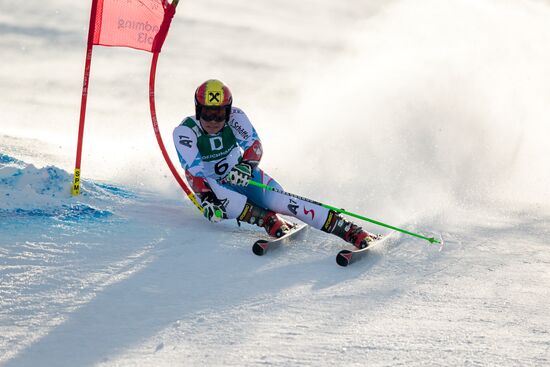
x=426, y=115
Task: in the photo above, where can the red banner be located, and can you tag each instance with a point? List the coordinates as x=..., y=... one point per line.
x=139, y=24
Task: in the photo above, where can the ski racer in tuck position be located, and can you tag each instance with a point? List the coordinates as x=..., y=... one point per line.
x=220, y=151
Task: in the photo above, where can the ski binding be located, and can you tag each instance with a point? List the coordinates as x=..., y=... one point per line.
x=260, y=247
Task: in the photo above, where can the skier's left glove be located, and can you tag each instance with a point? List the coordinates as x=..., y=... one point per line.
x=239, y=175
x=213, y=210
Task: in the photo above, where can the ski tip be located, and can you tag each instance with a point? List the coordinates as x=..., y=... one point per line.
x=344, y=257
x=260, y=247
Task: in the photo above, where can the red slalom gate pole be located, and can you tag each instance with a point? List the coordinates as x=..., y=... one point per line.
x=76, y=179
x=154, y=120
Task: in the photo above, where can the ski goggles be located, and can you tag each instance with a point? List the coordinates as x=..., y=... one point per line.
x=213, y=114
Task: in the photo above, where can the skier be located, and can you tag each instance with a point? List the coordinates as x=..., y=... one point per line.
x=220, y=151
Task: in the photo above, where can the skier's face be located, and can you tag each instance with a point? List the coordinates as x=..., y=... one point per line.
x=212, y=120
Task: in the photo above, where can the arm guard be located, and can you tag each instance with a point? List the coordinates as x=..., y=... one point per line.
x=253, y=155
x=198, y=184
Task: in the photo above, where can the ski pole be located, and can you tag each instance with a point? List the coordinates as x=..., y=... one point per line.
x=343, y=211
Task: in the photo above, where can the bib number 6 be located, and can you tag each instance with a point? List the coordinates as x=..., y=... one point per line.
x=221, y=167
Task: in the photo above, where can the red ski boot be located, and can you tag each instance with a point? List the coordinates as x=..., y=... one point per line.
x=348, y=231
x=273, y=224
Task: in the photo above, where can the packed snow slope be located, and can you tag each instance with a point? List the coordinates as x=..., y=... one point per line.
x=428, y=115
x=119, y=278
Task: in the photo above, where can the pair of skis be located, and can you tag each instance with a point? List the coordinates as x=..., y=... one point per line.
x=343, y=258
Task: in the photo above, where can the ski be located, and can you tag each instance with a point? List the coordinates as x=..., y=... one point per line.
x=260, y=247
x=347, y=257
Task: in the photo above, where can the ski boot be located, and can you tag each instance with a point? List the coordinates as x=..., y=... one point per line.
x=348, y=231
x=273, y=224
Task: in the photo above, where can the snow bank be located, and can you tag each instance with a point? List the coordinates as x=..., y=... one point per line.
x=28, y=190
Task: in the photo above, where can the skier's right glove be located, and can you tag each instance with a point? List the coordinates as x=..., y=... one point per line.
x=239, y=174
x=213, y=210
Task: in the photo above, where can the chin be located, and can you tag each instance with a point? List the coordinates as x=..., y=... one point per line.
x=210, y=131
